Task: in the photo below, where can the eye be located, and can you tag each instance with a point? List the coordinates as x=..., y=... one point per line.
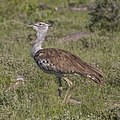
x=40, y=24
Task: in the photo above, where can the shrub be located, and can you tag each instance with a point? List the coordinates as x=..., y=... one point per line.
x=105, y=15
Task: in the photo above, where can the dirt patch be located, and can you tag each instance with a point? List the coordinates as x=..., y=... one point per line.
x=79, y=8
x=75, y=36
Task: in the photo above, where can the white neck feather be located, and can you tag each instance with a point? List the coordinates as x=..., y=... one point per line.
x=37, y=45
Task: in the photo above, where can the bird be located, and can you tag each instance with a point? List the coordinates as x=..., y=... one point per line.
x=60, y=62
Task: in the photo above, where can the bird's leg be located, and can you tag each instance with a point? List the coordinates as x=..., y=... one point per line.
x=68, y=90
x=67, y=95
x=60, y=86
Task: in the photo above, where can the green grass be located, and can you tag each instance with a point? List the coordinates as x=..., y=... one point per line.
x=37, y=99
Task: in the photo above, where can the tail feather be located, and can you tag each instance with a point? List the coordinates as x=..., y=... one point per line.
x=81, y=67
x=90, y=72
x=96, y=79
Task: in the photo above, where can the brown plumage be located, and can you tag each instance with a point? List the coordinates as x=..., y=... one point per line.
x=63, y=62
x=60, y=62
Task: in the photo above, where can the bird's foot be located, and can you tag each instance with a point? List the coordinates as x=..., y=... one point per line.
x=73, y=101
x=69, y=100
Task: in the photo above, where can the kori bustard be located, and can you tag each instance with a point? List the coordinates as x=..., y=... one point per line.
x=60, y=62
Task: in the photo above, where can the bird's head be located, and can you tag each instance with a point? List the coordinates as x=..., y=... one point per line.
x=40, y=27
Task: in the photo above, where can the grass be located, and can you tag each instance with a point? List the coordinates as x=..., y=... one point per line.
x=37, y=98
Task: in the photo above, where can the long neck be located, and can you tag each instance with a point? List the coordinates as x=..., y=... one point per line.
x=37, y=45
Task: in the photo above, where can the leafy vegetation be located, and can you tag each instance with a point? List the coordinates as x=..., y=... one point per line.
x=105, y=15
x=37, y=98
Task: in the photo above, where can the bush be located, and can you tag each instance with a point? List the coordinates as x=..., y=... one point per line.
x=105, y=15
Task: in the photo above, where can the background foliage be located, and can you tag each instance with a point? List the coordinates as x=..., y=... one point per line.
x=105, y=14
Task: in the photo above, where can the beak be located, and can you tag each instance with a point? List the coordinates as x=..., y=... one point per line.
x=29, y=25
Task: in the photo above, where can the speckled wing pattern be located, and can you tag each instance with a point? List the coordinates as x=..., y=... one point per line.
x=63, y=62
